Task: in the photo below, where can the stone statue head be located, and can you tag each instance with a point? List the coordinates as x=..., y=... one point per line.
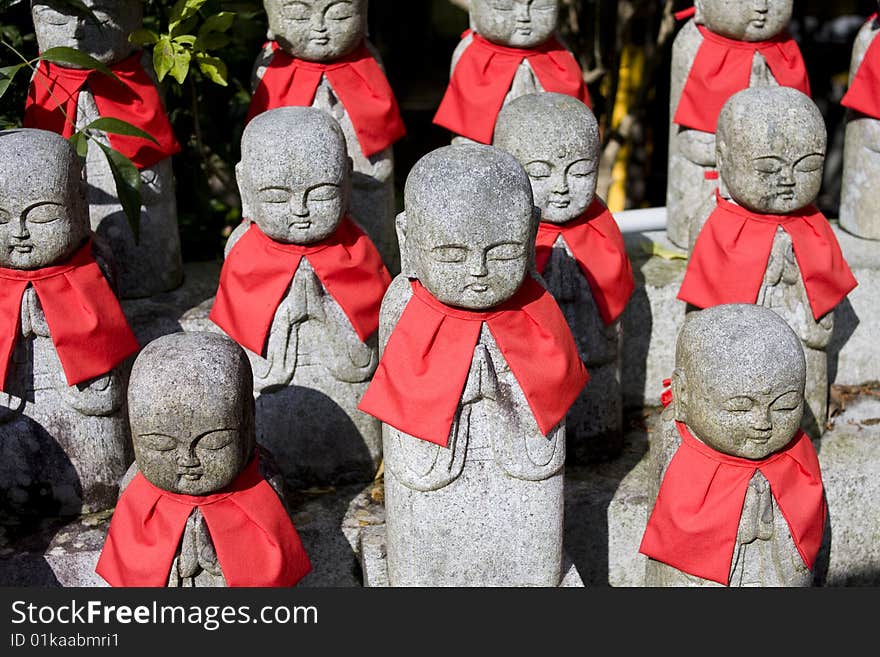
x=468, y=232
x=295, y=174
x=515, y=23
x=106, y=40
x=44, y=217
x=556, y=139
x=745, y=20
x=317, y=30
x=770, y=149
x=191, y=410
x=739, y=380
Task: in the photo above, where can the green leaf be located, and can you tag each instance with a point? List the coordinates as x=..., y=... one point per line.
x=211, y=41
x=163, y=57
x=128, y=186
x=119, y=127
x=185, y=39
x=184, y=9
x=143, y=38
x=6, y=75
x=213, y=67
x=183, y=27
x=64, y=55
x=180, y=67
x=80, y=143
x=217, y=23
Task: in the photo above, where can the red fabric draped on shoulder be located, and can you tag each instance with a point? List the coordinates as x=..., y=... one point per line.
x=864, y=91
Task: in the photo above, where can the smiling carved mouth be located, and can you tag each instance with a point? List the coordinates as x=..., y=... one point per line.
x=191, y=475
x=477, y=287
x=21, y=248
x=302, y=225
x=560, y=204
x=320, y=41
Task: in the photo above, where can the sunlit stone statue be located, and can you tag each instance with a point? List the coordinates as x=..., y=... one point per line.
x=318, y=55
x=65, y=98
x=63, y=432
x=478, y=370
x=740, y=489
x=580, y=253
x=301, y=289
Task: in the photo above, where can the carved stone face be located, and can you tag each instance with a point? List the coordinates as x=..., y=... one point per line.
x=739, y=380
x=556, y=139
x=469, y=225
x=295, y=174
x=43, y=212
x=317, y=30
x=746, y=20
x=515, y=23
x=771, y=149
x=191, y=411
x=106, y=40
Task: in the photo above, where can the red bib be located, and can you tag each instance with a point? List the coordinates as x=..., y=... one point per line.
x=864, y=91
x=723, y=67
x=732, y=251
x=484, y=74
x=256, y=543
x=596, y=243
x=133, y=98
x=258, y=271
x=694, y=523
x=86, y=323
x=358, y=81
x=424, y=368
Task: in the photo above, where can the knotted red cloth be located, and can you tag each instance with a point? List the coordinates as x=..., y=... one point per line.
x=732, y=251
x=86, y=323
x=484, y=74
x=696, y=517
x=258, y=271
x=723, y=67
x=597, y=245
x=358, y=81
x=425, y=365
x=255, y=541
x=864, y=91
x=133, y=98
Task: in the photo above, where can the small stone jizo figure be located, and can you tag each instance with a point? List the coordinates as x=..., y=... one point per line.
x=511, y=51
x=63, y=337
x=725, y=48
x=300, y=290
x=199, y=511
x=478, y=370
x=741, y=500
x=318, y=55
x=580, y=253
x=769, y=244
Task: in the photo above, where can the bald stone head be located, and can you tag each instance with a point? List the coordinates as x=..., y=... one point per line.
x=295, y=174
x=317, y=30
x=57, y=24
x=556, y=139
x=191, y=410
x=469, y=227
x=739, y=380
x=745, y=20
x=515, y=23
x=770, y=149
x=44, y=217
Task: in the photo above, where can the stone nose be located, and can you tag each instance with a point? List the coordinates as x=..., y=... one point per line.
x=477, y=265
x=319, y=24
x=761, y=420
x=524, y=12
x=299, y=205
x=21, y=231
x=186, y=458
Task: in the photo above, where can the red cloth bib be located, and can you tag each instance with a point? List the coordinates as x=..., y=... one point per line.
x=723, y=67
x=86, y=323
x=732, y=250
x=135, y=100
x=423, y=371
x=255, y=541
x=596, y=243
x=258, y=272
x=358, y=81
x=484, y=74
x=694, y=523
x=864, y=91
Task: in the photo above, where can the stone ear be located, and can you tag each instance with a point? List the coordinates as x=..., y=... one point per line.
x=400, y=227
x=242, y=189
x=679, y=395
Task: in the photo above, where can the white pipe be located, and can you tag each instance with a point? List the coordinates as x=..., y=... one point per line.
x=641, y=221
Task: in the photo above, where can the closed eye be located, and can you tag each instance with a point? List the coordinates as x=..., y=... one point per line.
x=767, y=165
x=810, y=163
x=506, y=251
x=44, y=213
x=159, y=442
x=274, y=195
x=218, y=439
x=449, y=253
x=739, y=404
x=326, y=192
x=539, y=169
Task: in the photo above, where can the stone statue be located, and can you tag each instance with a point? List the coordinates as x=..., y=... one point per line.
x=301, y=289
x=63, y=430
x=858, y=210
x=478, y=370
x=199, y=508
x=318, y=55
x=580, y=253
x=67, y=98
x=725, y=48
x=510, y=51
x=769, y=245
x=741, y=500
